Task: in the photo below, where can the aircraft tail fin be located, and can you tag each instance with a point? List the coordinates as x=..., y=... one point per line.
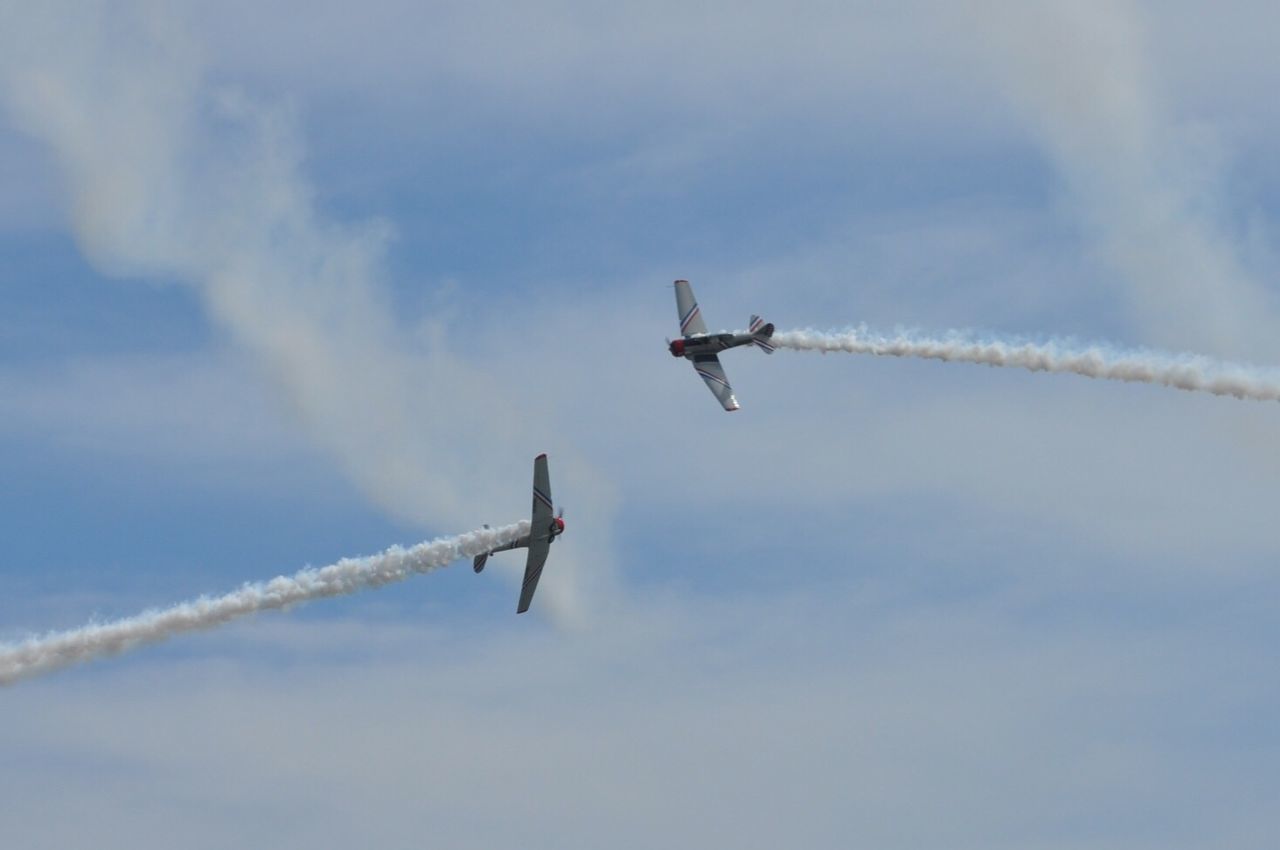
x=762, y=333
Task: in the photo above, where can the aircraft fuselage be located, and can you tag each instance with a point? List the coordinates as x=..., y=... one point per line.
x=554, y=530
x=698, y=344
x=521, y=543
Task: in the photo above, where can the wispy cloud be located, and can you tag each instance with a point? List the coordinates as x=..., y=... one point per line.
x=151, y=408
x=1146, y=188
x=750, y=722
x=175, y=178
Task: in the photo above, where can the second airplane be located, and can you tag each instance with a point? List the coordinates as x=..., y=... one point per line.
x=701, y=348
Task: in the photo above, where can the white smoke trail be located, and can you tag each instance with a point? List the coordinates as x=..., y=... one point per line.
x=1190, y=372
x=60, y=649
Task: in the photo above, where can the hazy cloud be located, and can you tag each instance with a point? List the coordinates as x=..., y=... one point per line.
x=1147, y=188
x=173, y=177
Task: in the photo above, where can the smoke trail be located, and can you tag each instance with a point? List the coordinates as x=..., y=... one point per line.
x=60, y=649
x=1190, y=372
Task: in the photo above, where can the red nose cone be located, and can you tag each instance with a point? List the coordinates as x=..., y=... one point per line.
x=560, y=523
x=677, y=348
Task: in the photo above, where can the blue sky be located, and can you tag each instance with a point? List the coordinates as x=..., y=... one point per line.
x=278, y=287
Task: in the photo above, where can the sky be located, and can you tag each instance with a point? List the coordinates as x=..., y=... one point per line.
x=281, y=284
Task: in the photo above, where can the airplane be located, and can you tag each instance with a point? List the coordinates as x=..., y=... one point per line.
x=700, y=347
x=543, y=530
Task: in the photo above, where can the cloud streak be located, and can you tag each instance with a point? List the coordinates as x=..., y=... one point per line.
x=60, y=649
x=1146, y=186
x=172, y=176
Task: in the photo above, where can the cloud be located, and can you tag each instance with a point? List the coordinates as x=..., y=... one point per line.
x=201, y=408
x=751, y=722
x=1146, y=187
x=545, y=63
x=26, y=205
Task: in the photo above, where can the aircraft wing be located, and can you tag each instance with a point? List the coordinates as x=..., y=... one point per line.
x=542, y=506
x=709, y=368
x=539, y=532
x=538, y=549
x=687, y=307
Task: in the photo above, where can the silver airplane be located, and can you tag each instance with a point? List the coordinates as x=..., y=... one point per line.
x=543, y=530
x=700, y=347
